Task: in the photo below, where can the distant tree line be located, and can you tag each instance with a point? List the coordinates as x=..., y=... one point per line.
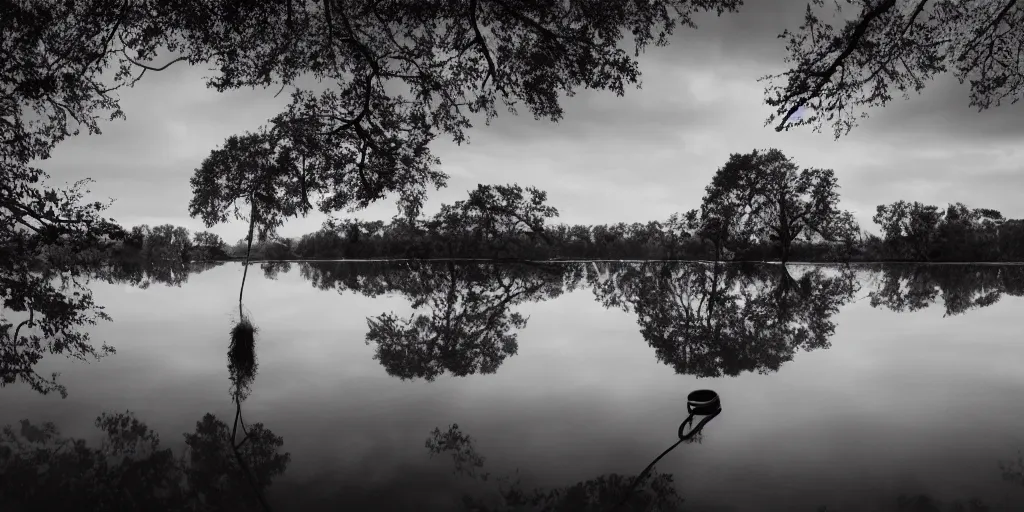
x=759, y=206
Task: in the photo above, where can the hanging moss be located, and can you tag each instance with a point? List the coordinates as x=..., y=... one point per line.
x=242, y=356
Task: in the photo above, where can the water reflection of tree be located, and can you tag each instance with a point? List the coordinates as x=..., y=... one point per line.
x=220, y=470
x=272, y=269
x=906, y=288
x=370, y=279
x=464, y=322
x=144, y=273
x=600, y=494
x=712, y=320
x=52, y=308
x=129, y=470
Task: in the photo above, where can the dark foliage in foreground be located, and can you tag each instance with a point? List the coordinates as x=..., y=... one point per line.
x=130, y=470
x=656, y=492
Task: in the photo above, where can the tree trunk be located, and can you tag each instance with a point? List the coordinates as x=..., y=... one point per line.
x=248, y=251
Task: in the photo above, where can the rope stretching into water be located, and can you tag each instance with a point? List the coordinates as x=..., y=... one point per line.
x=682, y=437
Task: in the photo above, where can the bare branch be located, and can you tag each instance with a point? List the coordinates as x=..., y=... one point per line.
x=149, y=68
x=479, y=38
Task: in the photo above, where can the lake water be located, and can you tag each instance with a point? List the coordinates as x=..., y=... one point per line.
x=884, y=387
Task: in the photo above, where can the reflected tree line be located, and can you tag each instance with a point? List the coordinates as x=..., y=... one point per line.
x=959, y=288
x=356, y=142
x=702, y=319
x=713, y=320
x=218, y=468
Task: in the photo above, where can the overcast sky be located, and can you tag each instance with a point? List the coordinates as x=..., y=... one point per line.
x=636, y=158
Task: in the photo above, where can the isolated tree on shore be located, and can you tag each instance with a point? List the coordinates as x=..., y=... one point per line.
x=249, y=173
x=765, y=196
x=838, y=72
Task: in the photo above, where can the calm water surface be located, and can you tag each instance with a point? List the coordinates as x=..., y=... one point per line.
x=869, y=388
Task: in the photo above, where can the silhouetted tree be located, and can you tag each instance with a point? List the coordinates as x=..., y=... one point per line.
x=909, y=228
x=763, y=196
x=674, y=232
x=711, y=320
x=925, y=232
x=839, y=71
x=208, y=246
x=469, y=326
x=962, y=287
x=249, y=170
x=348, y=145
x=49, y=249
x=130, y=471
x=493, y=220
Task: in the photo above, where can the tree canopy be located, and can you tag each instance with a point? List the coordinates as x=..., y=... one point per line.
x=839, y=69
x=400, y=73
x=765, y=196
